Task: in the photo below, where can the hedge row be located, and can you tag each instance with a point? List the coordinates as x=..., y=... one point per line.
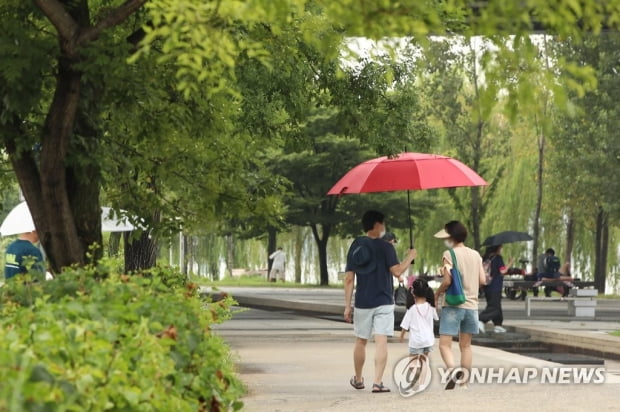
x=97, y=340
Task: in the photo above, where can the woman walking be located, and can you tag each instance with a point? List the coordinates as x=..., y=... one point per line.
x=495, y=267
x=461, y=320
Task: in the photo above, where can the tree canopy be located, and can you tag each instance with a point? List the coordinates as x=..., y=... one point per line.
x=160, y=106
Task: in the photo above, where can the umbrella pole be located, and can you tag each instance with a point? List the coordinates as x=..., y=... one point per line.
x=410, y=221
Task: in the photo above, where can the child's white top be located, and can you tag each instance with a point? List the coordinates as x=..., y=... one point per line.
x=419, y=322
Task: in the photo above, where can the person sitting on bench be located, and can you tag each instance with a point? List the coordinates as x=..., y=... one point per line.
x=551, y=271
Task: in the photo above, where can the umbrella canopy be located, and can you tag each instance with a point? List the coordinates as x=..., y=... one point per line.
x=407, y=171
x=19, y=220
x=507, y=237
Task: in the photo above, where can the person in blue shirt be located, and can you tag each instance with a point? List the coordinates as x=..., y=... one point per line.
x=22, y=255
x=372, y=263
x=493, y=290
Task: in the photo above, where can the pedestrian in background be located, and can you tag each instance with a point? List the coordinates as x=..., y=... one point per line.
x=23, y=256
x=278, y=265
x=493, y=290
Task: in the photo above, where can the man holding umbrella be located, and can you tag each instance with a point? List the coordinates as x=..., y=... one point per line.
x=372, y=262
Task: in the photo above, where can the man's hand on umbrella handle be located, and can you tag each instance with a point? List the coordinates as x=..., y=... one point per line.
x=347, y=314
x=412, y=254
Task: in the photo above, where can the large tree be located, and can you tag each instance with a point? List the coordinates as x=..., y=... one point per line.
x=587, y=184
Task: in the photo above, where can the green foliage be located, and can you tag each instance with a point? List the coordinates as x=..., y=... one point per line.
x=93, y=339
x=591, y=130
x=464, y=102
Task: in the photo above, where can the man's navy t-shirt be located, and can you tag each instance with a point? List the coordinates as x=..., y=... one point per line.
x=497, y=280
x=376, y=288
x=17, y=255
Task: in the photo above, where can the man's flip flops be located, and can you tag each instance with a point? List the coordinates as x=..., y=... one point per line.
x=355, y=384
x=379, y=388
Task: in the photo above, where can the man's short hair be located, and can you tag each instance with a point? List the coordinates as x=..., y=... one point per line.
x=457, y=231
x=370, y=218
x=550, y=252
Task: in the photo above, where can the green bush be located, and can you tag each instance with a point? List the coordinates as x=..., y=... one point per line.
x=97, y=340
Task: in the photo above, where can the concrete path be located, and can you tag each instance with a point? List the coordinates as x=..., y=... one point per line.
x=551, y=325
x=291, y=362
x=331, y=300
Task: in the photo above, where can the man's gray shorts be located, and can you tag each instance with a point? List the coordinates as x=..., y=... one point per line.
x=379, y=319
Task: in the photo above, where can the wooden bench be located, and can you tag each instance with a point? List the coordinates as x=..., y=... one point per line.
x=581, y=302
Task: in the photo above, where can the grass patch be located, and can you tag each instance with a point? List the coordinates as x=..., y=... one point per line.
x=255, y=281
x=615, y=333
x=601, y=296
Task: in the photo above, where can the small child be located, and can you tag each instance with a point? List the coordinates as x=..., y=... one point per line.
x=419, y=322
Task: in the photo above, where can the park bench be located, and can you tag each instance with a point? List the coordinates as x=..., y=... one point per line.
x=529, y=284
x=581, y=302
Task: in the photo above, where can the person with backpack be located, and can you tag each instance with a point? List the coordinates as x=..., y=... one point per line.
x=495, y=269
x=553, y=270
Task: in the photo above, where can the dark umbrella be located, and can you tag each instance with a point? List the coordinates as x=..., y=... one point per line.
x=509, y=236
x=406, y=171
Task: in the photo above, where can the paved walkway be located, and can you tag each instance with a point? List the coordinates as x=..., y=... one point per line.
x=291, y=362
x=331, y=301
x=552, y=324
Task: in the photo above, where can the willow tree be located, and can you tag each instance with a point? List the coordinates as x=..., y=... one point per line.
x=586, y=148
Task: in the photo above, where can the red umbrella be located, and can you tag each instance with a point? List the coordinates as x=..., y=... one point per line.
x=406, y=171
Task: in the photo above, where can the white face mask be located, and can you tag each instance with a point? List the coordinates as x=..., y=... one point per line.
x=449, y=244
x=382, y=233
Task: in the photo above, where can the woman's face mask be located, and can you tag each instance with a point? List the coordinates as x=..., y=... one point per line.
x=449, y=243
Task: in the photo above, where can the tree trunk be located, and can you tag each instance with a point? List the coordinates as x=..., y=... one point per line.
x=601, y=246
x=187, y=258
x=323, y=271
x=476, y=202
x=299, y=244
x=604, y=253
x=540, y=128
x=321, y=243
x=539, y=199
x=60, y=237
x=570, y=238
x=272, y=234
x=141, y=253
x=475, y=216
x=230, y=253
